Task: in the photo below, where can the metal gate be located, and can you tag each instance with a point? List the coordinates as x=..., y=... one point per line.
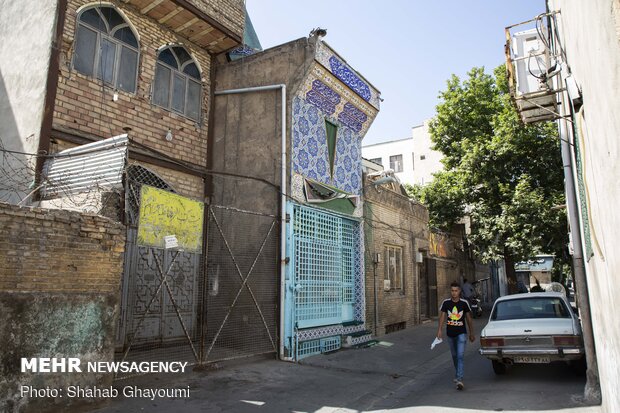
x=177, y=307
x=242, y=284
x=161, y=300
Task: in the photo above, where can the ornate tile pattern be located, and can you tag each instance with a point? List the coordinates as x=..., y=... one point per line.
x=324, y=55
x=353, y=329
x=352, y=117
x=318, y=72
x=359, y=311
x=323, y=97
x=297, y=188
x=362, y=339
x=313, y=333
x=349, y=78
x=310, y=156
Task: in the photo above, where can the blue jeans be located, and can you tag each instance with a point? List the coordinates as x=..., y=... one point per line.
x=457, y=348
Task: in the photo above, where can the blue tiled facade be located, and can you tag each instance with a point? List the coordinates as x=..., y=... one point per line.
x=310, y=152
x=332, y=92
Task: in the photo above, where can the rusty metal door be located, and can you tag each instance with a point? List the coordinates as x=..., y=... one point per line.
x=160, y=300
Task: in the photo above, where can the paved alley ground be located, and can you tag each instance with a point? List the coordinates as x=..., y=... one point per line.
x=406, y=376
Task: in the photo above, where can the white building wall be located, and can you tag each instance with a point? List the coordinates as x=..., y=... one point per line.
x=589, y=32
x=385, y=150
x=419, y=160
x=27, y=30
x=427, y=160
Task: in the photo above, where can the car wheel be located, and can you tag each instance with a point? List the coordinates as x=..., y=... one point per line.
x=498, y=367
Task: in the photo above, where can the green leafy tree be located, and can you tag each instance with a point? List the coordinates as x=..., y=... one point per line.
x=506, y=175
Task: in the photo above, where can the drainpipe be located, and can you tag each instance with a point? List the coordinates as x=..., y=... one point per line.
x=592, y=389
x=283, y=196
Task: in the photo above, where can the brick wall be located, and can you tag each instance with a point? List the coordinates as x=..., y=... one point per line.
x=60, y=274
x=58, y=250
x=185, y=184
x=84, y=106
x=231, y=13
x=392, y=219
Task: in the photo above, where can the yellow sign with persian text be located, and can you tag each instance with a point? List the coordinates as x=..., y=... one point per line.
x=164, y=214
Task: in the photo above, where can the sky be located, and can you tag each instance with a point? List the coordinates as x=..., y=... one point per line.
x=406, y=48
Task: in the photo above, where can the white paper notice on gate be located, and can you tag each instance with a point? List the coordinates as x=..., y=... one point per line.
x=171, y=241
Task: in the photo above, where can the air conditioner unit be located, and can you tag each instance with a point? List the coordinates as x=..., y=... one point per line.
x=386, y=285
x=531, y=82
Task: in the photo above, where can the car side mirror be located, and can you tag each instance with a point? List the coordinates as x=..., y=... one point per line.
x=575, y=310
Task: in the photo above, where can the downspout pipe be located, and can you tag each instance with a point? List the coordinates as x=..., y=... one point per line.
x=283, y=197
x=592, y=391
x=592, y=388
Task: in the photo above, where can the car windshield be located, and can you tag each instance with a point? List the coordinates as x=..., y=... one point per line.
x=535, y=307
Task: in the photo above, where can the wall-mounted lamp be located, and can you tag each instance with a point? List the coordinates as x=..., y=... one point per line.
x=169, y=135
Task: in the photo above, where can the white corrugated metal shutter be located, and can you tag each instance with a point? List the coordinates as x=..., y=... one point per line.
x=97, y=165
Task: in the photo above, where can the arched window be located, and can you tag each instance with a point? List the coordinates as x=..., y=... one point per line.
x=106, y=48
x=177, y=82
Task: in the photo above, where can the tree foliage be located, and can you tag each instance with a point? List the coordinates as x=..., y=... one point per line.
x=506, y=175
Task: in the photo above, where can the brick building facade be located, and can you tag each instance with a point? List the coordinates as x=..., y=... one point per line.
x=86, y=109
x=396, y=231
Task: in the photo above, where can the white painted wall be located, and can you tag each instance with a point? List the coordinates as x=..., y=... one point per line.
x=590, y=34
x=27, y=30
x=415, y=169
x=422, y=144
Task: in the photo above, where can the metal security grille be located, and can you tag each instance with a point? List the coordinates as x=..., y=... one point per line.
x=318, y=267
x=349, y=232
x=318, y=346
x=325, y=267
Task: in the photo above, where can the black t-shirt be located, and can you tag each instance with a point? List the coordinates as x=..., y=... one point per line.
x=455, y=313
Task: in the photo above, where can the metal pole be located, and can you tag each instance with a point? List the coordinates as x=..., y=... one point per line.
x=592, y=389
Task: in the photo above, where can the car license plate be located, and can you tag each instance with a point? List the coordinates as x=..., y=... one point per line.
x=532, y=359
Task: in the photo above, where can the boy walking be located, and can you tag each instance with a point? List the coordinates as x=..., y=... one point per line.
x=455, y=310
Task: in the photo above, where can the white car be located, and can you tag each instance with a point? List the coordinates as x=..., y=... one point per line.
x=532, y=328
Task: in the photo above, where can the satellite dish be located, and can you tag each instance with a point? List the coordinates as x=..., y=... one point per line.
x=556, y=287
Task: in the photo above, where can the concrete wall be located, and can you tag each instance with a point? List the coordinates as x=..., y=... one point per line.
x=247, y=127
x=590, y=35
x=392, y=219
x=60, y=275
x=24, y=60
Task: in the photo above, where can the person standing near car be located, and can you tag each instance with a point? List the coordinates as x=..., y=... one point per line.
x=455, y=312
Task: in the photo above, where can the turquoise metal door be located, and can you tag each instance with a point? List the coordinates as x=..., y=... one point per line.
x=324, y=267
